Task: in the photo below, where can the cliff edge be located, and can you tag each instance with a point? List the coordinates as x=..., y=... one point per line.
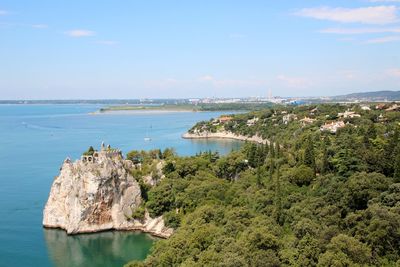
x=98, y=193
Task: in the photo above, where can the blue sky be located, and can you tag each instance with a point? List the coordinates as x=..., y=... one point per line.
x=166, y=49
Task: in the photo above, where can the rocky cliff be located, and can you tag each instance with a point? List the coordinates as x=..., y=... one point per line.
x=98, y=193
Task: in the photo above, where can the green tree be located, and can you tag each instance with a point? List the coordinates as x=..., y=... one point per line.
x=325, y=159
x=271, y=150
x=278, y=196
x=309, y=155
x=168, y=153
x=362, y=187
x=371, y=131
x=345, y=250
x=396, y=174
x=89, y=152
x=302, y=175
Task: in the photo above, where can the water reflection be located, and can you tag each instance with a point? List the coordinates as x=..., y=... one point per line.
x=100, y=249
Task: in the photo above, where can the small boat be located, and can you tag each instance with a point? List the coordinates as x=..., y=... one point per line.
x=147, y=138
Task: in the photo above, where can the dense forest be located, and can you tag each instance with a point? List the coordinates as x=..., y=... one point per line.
x=312, y=196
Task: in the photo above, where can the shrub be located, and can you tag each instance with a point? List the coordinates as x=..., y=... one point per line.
x=302, y=175
x=139, y=213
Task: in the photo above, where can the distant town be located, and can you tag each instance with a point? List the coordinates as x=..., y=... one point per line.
x=377, y=96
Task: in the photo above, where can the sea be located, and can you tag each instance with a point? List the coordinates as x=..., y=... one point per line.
x=35, y=140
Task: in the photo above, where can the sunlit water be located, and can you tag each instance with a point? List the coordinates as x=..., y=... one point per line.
x=34, y=141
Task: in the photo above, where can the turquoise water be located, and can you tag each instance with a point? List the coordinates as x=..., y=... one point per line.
x=34, y=141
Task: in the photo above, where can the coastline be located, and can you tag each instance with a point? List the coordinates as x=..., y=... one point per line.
x=141, y=111
x=128, y=229
x=153, y=226
x=224, y=135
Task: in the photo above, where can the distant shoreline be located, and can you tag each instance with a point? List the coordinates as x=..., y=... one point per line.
x=225, y=135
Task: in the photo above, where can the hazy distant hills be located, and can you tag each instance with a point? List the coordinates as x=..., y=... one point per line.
x=363, y=96
x=371, y=96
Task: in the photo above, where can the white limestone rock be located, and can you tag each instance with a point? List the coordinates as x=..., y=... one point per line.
x=98, y=195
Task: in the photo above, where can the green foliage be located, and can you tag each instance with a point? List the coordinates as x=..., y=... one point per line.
x=362, y=187
x=344, y=250
x=172, y=219
x=161, y=199
x=396, y=174
x=230, y=167
x=308, y=198
x=302, y=175
x=139, y=213
x=89, y=152
x=309, y=156
x=168, y=153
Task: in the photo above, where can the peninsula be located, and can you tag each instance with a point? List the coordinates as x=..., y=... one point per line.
x=97, y=193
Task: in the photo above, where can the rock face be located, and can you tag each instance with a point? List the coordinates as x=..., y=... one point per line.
x=97, y=193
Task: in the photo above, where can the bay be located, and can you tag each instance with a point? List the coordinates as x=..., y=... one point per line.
x=34, y=141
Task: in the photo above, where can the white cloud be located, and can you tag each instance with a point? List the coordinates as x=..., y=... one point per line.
x=349, y=74
x=385, y=39
x=393, y=73
x=39, y=26
x=352, y=31
x=79, y=33
x=107, y=42
x=207, y=78
x=3, y=12
x=367, y=15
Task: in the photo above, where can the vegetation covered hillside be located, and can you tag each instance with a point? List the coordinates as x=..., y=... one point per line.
x=325, y=192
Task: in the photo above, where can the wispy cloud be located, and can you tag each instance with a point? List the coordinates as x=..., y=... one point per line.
x=39, y=26
x=107, y=42
x=384, y=1
x=379, y=15
x=230, y=83
x=349, y=74
x=352, y=31
x=207, y=78
x=80, y=33
x=393, y=73
x=385, y=39
x=3, y=12
x=293, y=82
x=237, y=36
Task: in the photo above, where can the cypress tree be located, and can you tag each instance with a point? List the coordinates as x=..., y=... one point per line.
x=371, y=131
x=271, y=168
x=271, y=160
x=271, y=150
x=396, y=174
x=391, y=152
x=259, y=178
x=260, y=155
x=278, y=149
x=278, y=196
x=309, y=156
x=252, y=157
x=325, y=162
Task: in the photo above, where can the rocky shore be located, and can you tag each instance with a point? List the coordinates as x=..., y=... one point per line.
x=224, y=135
x=98, y=193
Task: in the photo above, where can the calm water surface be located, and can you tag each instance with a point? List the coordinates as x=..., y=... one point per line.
x=34, y=141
